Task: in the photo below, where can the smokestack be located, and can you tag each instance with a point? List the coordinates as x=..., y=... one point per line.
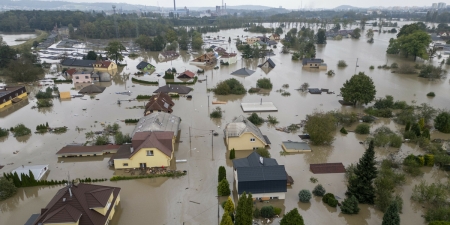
x=174, y=6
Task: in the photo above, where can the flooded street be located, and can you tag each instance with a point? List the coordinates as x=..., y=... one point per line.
x=191, y=199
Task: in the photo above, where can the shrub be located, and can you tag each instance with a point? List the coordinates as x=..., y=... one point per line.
x=222, y=173
x=431, y=94
x=256, y=213
x=429, y=160
x=367, y=119
x=223, y=189
x=217, y=113
x=384, y=136
x=394, y=65
x=342, y=63
x=411, y=135
x=101, y=140
x=263, y=152
x=7, y=188
x=42, y=103
x=350, y=205
x=264, y=83
x=4, y=132
x=371, y=67
x=131, y=120
x=292, y=218
x=21, y=130
x=230, y=86
x=329, y=199
x=406, y=69
x=304, y=195
x=276, y=210
x=343, y=130
x=267, y=211
x=442, y=122
x=319, y=190
x=120, y=138
x=411, y=165
x=272, y=120
x=255, y=119
x=285, y=93
x=232, y=154
x=362, y=129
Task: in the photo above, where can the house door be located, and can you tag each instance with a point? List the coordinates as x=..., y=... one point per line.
x=143, y=165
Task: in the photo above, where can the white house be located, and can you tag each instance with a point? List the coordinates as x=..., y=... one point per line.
x=37, y=170
x=229, y=58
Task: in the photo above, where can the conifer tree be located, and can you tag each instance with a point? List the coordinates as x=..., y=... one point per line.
x=16, y=180
x=292, y=218
x=229, y=205
x=391, y=217
x=223, y=189
x=32, y=179
x=249, y=209
x=350, y=205
x=226, y=219
x=240, y=218
x=361, y=184
x=222, y=173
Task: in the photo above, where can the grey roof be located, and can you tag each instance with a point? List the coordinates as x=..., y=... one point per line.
x=174, y=88
x=296, y=145
x=32, y=218
x=270, y=62
x=306, y=61
x=315, y=91
x=253, y=160
x=272, y=42
x=262, y=173
x=142, y=65
x=243, y=71
x=78, y=63
x=242, y=125
x=92, y=89
x=158, y=121
x=261, y=43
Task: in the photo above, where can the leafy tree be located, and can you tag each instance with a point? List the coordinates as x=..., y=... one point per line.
x=264, y=83
x=385, y=184
x=7, y=188
x=350, y=205
x=319, y=190
x=21, y=130
x=391, y=217
x=360, y=185
x=304, y=195
x=91, y=55
x=226, y=219
x=359, y=89
x=321, y=38
x=329, y=199
x=217, y=113
x=267, y=211
x=369, y=33
x=184, y=41
x=321, y=126
x=120, y=138
x=223, y=189
x=172, y=46
x=22, y=69
x=229, y=205
x=362, y=128
x=197, y=40
x=230, y=86
x=101, y=140
x=442, y=122
x=7, y=54
x=415, y=43
x=114, y=51
x=171, y=36
x=222, y=173
x=255, y=119
x=356, y=33
x=292, y=218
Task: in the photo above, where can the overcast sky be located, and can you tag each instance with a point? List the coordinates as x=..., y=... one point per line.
x=289, y=4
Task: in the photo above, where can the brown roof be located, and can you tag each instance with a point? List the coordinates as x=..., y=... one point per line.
x=72, y=149
x=69, y=206
x=123, y=152
x=186, y=73
x=228, y=55
x=161, y=140
x=327, y=168
x=159, y=102
x=71, y=71
x=104, y=64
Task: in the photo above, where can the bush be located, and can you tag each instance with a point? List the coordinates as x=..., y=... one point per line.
x=143, y=97
x=4, y=132
x=7, y=188
x=394, y=65
x=255, y=119
x=131, y=120
x=439, y=223
x=411, y=135
x=342, y=63
x=343, y=130
x=272, y=120
x=222, y=173
x=223, y=189
x=230, y=86
x=256, y=213
x=321, y=127
x=304, y=195
x=384, y=136
x=429, y=160
x=431, y=94
x=371, y=67
x=42, y=103
x=411, y=165
x=276, y=210
x=367, y=119
x=319, y=190
x=264, y=83
x=362, y=129
x=21, y=130
x=101, y=140
x=329, y=199
x=406, y=69
x=217, y=113
x=350, y=205
x=232, y=154
x=120, y=138
x=263, y=152
x=267, y=211
x=442, y=122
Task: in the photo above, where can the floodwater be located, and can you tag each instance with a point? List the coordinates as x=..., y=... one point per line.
x=12, y=39
x=192, y=199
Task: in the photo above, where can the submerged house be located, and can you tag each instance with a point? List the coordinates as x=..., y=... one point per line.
x=147, y=149
x=160, y=102
x=262, y=177
x=80, y=204
x=96, y=65
x=174, y=89
x=241, y=134
x=274, y=37
x=186, y=74
x=229, y=58
x=145, y=66
x=10, y=95
x=252, y=40
x=166, y=55
x=314, y=63
x=267, y=64
x=158, y=121
x=209, y=58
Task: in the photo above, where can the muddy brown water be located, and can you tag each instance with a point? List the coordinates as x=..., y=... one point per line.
x=192, y=199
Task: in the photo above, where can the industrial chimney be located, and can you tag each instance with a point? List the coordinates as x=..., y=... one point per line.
x=174, y=6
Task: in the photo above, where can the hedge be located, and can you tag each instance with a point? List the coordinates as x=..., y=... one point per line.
x=143, y=97
x=131, y=120
x=63, y=81
x=168, y=174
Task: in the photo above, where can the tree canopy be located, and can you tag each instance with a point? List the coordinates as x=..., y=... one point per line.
x=391, y=217
x=359, y=89
x=114, y=50
x=320, y=126
x=411, y=40
x=292, y=218
x=7, y=188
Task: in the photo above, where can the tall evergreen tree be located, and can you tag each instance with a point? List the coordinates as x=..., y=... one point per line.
x=391, y=217
x=249, y=209
x=222, y=173
x=361, y=184
x=229, y=205
x=226, y=219
x=16, y=180
x=241, y=216
x=32, y=179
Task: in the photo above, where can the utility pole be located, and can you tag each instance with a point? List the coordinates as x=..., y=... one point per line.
x=212, y=145
x=115, y=22
x=190, y=145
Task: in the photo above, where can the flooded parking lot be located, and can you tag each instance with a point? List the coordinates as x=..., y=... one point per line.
x=191, y=199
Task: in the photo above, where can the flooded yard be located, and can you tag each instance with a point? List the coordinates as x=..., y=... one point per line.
x=12, y=39
x=191, y=199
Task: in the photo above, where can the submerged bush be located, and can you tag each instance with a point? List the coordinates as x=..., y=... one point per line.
x=230, y=86
x=319, y=190
x=264, y=83
x=217, y=113
x=342, y=63
x=431, y=94
x=255, y=119
x=362, y=128
x=304, y=195
x=21, y=130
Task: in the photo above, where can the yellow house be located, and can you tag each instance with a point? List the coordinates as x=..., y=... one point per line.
x=252, y=40
x=241, y=134
x=104, y=66
x=147, y=149
x=10, y=95
x=79, y=204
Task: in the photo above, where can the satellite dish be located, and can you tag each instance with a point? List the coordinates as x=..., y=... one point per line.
x=261, y=160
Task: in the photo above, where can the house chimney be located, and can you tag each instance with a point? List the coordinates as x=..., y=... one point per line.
x=131, y=149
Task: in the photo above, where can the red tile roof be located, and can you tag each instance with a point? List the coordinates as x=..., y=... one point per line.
x=187, y=73
x=159, y=102
x=104, y=64
x=327, y=168
x=71, y=71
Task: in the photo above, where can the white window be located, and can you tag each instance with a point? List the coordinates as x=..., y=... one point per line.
x=76, y=77
x=252, y=139
x=150, y=153
x=125, y=164
x=255, y=148
x=310, y=64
